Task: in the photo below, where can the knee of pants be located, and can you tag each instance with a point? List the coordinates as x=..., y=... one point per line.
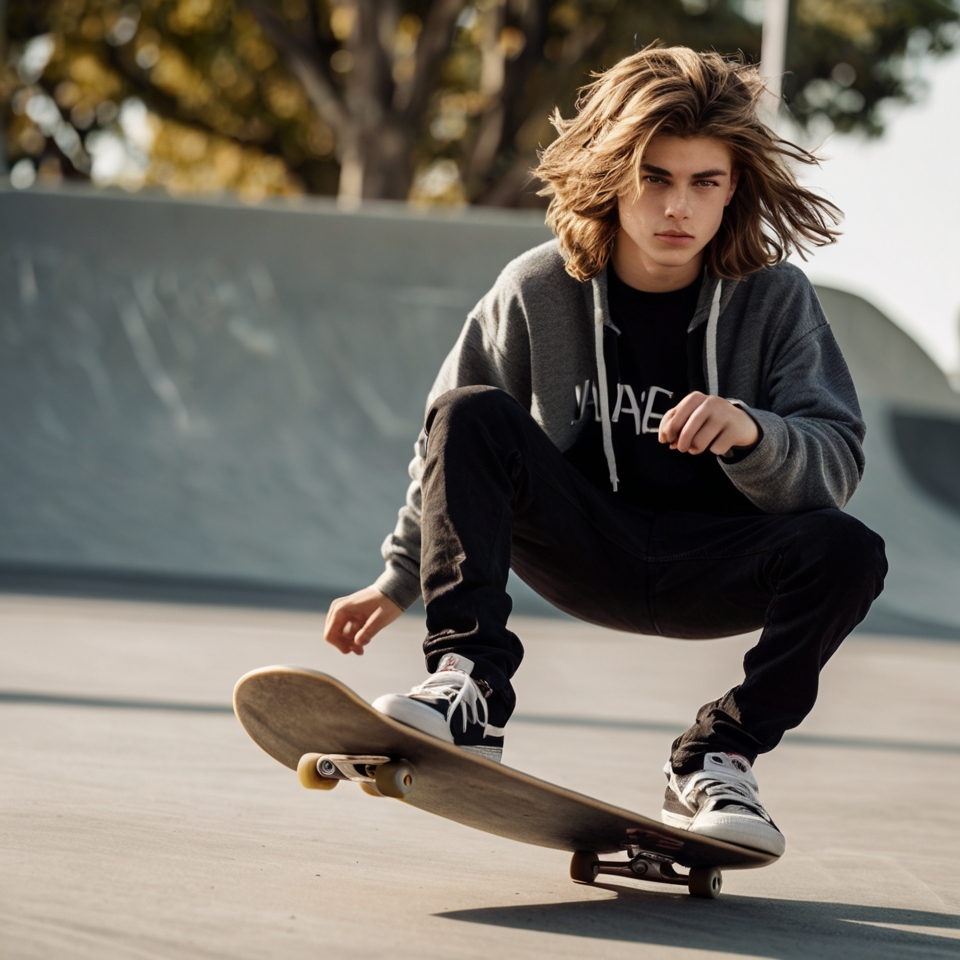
x=847, y=549
x=469, y=405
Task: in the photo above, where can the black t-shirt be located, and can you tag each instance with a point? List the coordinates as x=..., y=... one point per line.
x=651, y=365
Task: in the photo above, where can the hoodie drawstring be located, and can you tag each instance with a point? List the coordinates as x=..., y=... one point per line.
x=598, y=324
x=713, y=386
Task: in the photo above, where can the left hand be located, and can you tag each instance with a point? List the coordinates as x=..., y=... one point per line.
x=700, y=422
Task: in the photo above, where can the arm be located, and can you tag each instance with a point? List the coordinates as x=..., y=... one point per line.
x=810, y=456
x=798, y=389
x=797, y=444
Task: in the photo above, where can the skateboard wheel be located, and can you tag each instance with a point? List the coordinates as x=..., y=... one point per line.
x=584, y=866
x=370, y=788
x=395, y=779
x=705, y=882
x=310, y=776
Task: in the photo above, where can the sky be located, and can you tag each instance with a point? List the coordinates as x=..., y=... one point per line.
x=900, y=247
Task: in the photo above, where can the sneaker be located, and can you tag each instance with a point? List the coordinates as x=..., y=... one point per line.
x=450, y=706
x=722, y=800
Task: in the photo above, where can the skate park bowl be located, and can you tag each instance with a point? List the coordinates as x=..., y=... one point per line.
x=208, y=401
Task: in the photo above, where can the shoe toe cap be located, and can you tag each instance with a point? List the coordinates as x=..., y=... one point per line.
x=415, y=714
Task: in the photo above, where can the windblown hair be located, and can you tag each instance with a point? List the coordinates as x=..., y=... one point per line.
x=675, y=91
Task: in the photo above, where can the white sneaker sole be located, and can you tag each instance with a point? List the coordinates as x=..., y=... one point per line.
x=744, y=831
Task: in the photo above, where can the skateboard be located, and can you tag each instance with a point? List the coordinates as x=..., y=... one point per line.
x=315, y=725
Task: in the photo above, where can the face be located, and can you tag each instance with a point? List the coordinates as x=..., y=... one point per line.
x=686, y=183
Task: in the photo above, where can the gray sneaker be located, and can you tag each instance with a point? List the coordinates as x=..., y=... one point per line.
x=721, y=800
x=448, y=705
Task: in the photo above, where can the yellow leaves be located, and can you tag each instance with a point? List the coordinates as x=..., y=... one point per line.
x=90, y=74
x=176, y=75
x=91, y=28
x=408, y=30
x=342, y=17
x=196, y=16
x=565, y=16
x=186, y=144
x=471, y=103
x=67, y=93
x=23, y=134
x=185, y=159
x=255, y=50
x=227, y=161
x=438, y=184
x=858, y=21
x=511, y=42
x=405, y=48
x=223, y=71
x=285, y=97
x=265, y=175
x=232, y=77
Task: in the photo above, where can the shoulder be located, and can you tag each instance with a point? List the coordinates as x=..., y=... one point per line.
x=541, y=268
x=779, y=297
x=782, y=279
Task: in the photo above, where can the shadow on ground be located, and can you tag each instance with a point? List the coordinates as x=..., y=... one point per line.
x=748, y=926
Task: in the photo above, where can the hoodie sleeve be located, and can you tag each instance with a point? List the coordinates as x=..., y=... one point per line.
x=810, y=455
x=493, y=349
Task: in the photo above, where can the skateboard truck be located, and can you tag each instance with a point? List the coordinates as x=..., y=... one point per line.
x=702, y=881
x=379, y=776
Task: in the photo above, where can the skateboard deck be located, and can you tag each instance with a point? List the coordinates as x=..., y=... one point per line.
x=314, y=724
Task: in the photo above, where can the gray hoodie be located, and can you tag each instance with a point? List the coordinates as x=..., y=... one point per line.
x=768, y=348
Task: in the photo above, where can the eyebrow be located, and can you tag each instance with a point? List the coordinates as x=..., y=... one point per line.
x=660, y=172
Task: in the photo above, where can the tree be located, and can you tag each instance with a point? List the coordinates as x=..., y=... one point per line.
x=434, y=100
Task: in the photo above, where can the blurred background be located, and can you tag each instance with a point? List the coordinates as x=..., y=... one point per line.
x=237, y=238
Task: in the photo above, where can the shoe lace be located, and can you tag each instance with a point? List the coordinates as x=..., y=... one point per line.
x=724, y=793
x=462, y=692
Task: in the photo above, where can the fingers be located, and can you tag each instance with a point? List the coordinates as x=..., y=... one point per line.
x=340, y=626
x=352, y=622
x=700, y=430
x=690, y=426
x=368, y=630
x=699, y=423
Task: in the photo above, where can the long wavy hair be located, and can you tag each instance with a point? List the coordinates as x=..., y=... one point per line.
x=675, y=91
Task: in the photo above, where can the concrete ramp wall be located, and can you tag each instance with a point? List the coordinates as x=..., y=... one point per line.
x=910, y=492
x=213, y=400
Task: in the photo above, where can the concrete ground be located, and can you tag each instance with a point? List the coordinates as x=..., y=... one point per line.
x=139, y=821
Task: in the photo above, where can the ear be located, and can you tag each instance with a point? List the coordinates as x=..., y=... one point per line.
x=734, y=180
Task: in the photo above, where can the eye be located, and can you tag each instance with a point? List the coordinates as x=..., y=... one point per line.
x=650, y=178
x=707, y=183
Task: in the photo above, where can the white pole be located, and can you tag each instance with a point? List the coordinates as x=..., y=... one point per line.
x=773, y=53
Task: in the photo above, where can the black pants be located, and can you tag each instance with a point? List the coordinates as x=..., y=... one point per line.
x=497, y=493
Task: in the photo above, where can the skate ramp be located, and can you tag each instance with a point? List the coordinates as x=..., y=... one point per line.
x=910, y=492
x=204, y=400
x=217, y=400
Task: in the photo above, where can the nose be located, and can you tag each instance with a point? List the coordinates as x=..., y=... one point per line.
x=678, y=204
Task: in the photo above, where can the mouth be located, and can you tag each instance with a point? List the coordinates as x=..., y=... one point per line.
x=675, y=237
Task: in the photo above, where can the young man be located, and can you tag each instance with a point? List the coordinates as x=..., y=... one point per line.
x=649, y=419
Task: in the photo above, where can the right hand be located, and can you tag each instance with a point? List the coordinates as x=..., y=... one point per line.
x=352, y=622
